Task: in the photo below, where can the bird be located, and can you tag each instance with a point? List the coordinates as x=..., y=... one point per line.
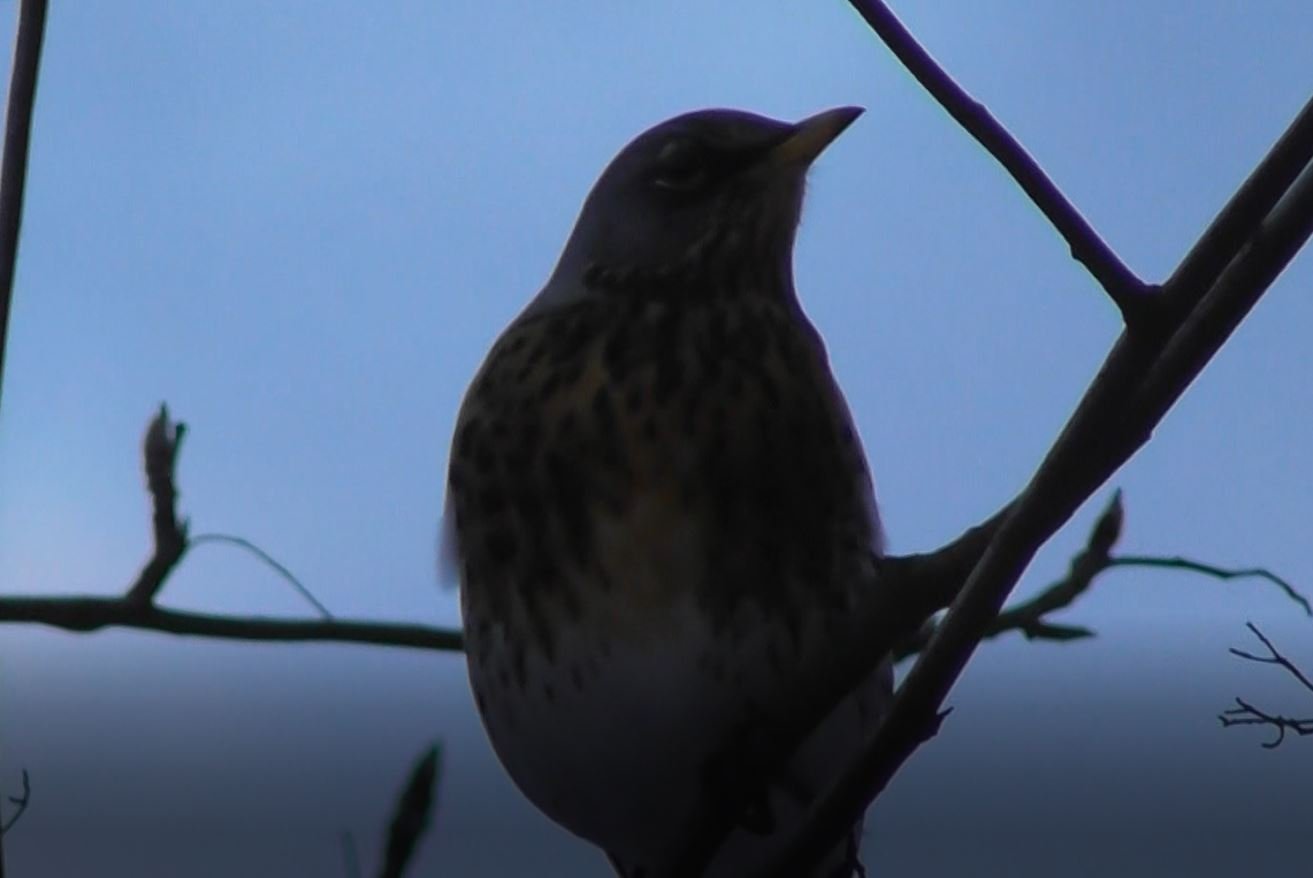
x=658, y=507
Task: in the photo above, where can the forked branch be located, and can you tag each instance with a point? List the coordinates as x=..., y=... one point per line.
x=1246, y=714
x=1263, y=226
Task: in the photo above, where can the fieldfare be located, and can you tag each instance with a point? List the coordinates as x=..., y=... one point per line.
x=658, y=505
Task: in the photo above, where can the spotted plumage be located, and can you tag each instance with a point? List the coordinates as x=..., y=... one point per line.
x=658, y=504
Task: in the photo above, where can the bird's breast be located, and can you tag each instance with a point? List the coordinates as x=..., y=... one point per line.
x=657, y=447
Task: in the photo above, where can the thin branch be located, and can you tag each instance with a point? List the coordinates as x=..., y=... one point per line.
x=28, y=37
x=90, y=613
x=13, y=166
x=1272, y=658
x=1193, y=566
x=1115, y=418
x=928, y=581
x=137, y=608
x=160, y=449
x=20, y=804
x=1030, y=617
x=278, y=567
x=1128, y=292
x=1248, y=715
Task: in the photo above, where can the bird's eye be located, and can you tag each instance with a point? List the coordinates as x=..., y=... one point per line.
x=681, y=166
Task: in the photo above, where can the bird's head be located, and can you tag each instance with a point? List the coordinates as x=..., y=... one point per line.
x=704, y=196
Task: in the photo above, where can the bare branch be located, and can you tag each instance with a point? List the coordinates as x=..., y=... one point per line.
x=1127, y=291
x=1248, y=715
x=84, y=613
x=160, y=447
x=1143, y=376
x=28, y=37
x=1030, y=617
x=1272, y=658
x=1216, y=312
x=137, y=608
x=20, y=804
x=1193, y=566
x=13, y=166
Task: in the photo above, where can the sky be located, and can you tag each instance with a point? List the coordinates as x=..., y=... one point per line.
x=302, y=224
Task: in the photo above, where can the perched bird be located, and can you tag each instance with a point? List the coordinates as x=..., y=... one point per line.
x=658, y=505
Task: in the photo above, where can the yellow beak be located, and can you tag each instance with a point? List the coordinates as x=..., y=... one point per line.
x=812, y=135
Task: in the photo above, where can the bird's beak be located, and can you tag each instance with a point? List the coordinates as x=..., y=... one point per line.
x=811, y=136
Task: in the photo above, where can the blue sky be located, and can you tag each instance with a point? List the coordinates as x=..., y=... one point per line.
x=301, y=224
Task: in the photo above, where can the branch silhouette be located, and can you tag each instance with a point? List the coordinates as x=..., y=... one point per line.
x=28, y=38
x=936, y=575
x=30, y=35
x=1031, y=617
x=1161, y=351
x=1127, y=291
x=20, y=803
x=1246, y=714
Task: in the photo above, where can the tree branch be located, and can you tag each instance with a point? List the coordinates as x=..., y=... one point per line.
x=20, y=803
x=1131, y=295
x=928, y=582
x=13, y=165
x=1193, y=566
x=161, y=445
x=1031, y=617
x=28, y=37
x=137, y=608
x=1245, y=714
x=1143, y=376
x=1272, y=658
x=84, y=613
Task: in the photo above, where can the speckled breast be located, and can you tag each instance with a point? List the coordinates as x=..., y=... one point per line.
x=659, y=503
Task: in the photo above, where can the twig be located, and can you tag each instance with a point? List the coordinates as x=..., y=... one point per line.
x=1028, y=617
x=90, y=613
x=932, y=578
x=241, y=542
x=160, y=449
x=1272, y=658
x=28, y=37
x=1248, y=715
x=13, y=165
x=20, y=803
x=1115, y=418
x=1179, y=563
x=1128, y=292
x=1245, y=714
